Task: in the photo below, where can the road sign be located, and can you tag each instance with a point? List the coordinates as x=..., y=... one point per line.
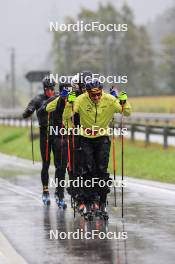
x=36, y=76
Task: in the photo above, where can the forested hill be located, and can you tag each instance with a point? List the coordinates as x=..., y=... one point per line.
x=162, y=25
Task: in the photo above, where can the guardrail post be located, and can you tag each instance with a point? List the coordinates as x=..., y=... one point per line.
x=132, y=132
x=3, y=121
x=147, y=134
x=167, y=122
x=165, y=137
x=20, y=121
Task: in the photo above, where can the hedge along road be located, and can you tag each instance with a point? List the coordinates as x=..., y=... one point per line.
x=26, y=224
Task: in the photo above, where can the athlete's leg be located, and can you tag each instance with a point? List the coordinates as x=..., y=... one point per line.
x=45, y=163
x=102, y=150
x=60, y=159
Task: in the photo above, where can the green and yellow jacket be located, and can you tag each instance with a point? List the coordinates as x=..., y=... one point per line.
x=95, y=116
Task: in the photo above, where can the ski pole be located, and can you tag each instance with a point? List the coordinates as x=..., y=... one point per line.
x=69, y=157
x=114, y=160
x=68, y=152
x=122, y=159
x=73, y=139
x=62, y=146
x=70, y=170
x=47, y=139
x=125, y=245
x=31, y=130
x=73, y=151
x=62, y=139
x=69, y=162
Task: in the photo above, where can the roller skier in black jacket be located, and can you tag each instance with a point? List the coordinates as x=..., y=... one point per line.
x=44, y=120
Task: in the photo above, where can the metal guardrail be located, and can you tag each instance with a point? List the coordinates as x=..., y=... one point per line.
x=11, y=113
x=135, y=117
x=18, y=122
x=148, y=130
x=153, y=116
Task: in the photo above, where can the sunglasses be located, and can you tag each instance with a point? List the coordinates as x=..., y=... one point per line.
x=94, y=95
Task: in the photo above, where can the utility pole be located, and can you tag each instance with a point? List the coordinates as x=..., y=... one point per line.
x=31, y=90
x=13, y=79
x=7, y=81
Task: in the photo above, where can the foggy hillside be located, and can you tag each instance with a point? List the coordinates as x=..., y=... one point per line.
x=160, y=27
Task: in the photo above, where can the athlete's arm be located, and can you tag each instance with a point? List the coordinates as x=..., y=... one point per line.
x=50, y=107
x=71, y=107
x=126, y=105
x=30, y=109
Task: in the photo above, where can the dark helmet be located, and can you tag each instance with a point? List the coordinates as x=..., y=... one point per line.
x=48, y=83
x=85, y=76
x=79, y=81
x=94, y=84
x=64, y=84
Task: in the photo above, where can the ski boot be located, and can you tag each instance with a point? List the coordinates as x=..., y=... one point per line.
x=88, y=213
x=46, y=196
x=103, y=212
x=60, y=202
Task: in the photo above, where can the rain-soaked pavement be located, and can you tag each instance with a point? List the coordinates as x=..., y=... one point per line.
x=32, y=229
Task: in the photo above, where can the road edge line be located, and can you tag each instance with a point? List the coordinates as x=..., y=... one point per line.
x=9, y=253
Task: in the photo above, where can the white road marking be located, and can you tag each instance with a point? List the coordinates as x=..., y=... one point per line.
x=8, y=254
x=19, y=190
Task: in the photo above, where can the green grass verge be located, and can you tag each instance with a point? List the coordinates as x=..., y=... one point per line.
x=142, y=162
x=152, y=162
x=16, y=141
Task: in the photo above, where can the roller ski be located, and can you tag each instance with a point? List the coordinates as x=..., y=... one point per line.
x=60, y=202
x=88, y=214
x=81, y=208
x=103, y=214
x=46, y=197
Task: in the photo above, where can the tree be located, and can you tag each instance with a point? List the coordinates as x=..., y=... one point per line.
x=108, y=53
x=168, y=55
x=168, y=64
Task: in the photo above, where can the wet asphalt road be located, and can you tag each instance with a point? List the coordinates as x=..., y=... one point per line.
x=149, y=222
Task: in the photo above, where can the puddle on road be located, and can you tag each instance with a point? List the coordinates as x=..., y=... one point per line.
x=149, y=225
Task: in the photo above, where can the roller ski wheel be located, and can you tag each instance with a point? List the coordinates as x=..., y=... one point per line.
x=104, y=216
x=88, y=217
x=88, y=213
x=46, y=198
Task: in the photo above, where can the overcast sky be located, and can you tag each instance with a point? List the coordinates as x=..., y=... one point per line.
x=24, y=25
